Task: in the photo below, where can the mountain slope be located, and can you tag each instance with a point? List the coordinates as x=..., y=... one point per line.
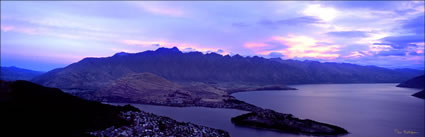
x=171, y=64
x=417, y=82
x=142, y=87
x=148, y=88
x=13, y=73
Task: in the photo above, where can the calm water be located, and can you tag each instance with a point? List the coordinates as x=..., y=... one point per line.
x=365, y=110
x=211, y=117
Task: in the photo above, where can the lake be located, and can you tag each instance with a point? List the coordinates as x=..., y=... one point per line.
x=365, y=110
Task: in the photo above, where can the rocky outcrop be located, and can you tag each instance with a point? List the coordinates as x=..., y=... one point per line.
x=420, y=94
x=271, y=120
x=147, y=124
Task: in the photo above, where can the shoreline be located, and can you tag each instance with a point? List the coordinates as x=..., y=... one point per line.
x=299, y=128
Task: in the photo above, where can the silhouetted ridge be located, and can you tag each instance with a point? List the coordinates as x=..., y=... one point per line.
x=14, y=73
x=168, y=50
x=417, y=82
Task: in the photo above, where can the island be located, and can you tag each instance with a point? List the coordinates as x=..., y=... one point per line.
x=272, y=120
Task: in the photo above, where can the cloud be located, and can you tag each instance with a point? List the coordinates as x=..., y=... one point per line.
x=6, y=28
x=161, y=9
x=392, y=53
x=145, y=43
x=305, y=20
x=265, y=46
x=220, y=51
x=400, y=6
x=275, y=55
x=349, y=34
x=239, y=24
x=294, y=46
x=321, y=12
x=415, y=25
x=20, y=29
x=401, y=42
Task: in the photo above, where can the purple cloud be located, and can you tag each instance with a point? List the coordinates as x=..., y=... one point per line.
x=349, y=34
x=275, y=55
x=305, y=20
x=401, y=42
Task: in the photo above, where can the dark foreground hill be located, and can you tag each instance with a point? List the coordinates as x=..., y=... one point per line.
x=91, y=73
x=14, y=73
x=417, y=82
x=32, y=110
x=420, y=94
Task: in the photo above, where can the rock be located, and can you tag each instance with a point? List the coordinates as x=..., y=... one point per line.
x=157, y=126
x=271, y=120
x=420, y=94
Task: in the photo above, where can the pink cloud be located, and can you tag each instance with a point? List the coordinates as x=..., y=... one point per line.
x=296, y=47
x=25, y=30
x=255, y=45
x=50, y=57
x=6, y=28
x=161, y=9
x=143, y=43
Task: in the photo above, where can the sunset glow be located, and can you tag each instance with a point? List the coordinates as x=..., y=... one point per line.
x=381, y=33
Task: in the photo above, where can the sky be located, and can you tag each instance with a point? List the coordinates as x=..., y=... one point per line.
x=52, y=34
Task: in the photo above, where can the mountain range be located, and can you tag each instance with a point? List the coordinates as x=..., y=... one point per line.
x=171, y=64
x=14, y=73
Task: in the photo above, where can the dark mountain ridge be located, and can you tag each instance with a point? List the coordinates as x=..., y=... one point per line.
x=174, y=65
x=13, y=73
x=416, y=82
